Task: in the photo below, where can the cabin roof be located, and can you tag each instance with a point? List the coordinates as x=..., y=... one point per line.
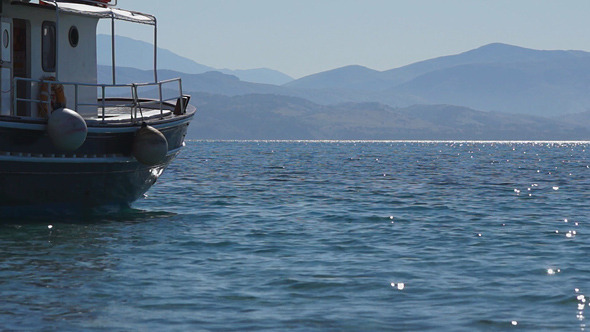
x=96, y=11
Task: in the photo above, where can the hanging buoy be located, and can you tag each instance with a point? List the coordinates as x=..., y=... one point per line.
x=67, y=129
x=50, y=100
x=149, y=146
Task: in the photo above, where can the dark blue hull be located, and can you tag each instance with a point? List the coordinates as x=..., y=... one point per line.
x=33, y=173
x=85, y=183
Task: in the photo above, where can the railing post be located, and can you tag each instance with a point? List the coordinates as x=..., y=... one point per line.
x=103, y=102
x=135, y=101
x=57, y=33
x=113, y=64
x=182, y=106
x=155, y=51
x=14, y=94
x=161, y=102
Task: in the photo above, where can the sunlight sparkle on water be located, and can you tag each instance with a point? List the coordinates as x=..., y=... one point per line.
x=398, y=286
x=581, y=307
x=228, y=214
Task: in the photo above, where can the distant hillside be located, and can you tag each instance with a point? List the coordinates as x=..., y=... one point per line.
x=495, y=77
x=138, y=54
x=259, y=75
x=351, y=77
x=578, y=119
x=357, y=77
x=209, y=82
x=488, y=54
x=218, y=83
x=494, y=92
x=279, y=117
x=544, y=88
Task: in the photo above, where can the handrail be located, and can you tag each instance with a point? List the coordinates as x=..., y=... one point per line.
x=112, y=3
x=100, y=3
x=136, y=101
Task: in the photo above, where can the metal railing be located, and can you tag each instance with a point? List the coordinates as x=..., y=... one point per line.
x=112, y=3
x=133, y=101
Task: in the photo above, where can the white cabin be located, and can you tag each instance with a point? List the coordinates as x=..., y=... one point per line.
x=54, y=40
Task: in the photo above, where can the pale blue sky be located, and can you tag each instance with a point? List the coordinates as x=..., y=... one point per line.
x=302, y=37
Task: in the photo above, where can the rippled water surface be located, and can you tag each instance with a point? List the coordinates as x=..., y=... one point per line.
x=319, y=236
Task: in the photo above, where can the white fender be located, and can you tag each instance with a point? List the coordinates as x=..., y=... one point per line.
x=67, y=129
x=149, y=146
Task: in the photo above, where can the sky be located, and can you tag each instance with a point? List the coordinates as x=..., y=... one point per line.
x=303, y=37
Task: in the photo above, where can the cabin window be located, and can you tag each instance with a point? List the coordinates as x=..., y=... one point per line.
x=48, y=40
x=6, y=39
x=74, y=36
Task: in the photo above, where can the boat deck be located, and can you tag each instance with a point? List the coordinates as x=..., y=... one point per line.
x=128, y=114
x=121, y=112
x=125, y=111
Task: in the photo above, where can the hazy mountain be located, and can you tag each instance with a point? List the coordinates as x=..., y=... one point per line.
x=279, y=117
x=498, y=91
x=579, y=119
x=358, y=77
x=259, y=75
x=340, y=78
x=495, y=77
x=544, y=88
x=138, y=54
x=491, y=53
x=209, y=82
x=229, y=85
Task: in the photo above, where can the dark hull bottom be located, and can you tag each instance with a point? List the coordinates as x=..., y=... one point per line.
x=35, y=174
x=84, y=184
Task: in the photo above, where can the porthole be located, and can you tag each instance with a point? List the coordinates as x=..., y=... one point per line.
x=74, y=36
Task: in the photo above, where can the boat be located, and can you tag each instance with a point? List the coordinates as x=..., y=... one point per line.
x=67, y=140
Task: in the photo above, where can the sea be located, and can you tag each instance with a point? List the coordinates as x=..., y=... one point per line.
x=319, y=236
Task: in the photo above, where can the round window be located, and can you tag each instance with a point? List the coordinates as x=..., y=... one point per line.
x=74, y=36
x=5, y=38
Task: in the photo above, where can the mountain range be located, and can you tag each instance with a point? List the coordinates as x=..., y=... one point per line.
x=495, y=77
x=132, y=53
x=497, y=91
x=258, y=117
